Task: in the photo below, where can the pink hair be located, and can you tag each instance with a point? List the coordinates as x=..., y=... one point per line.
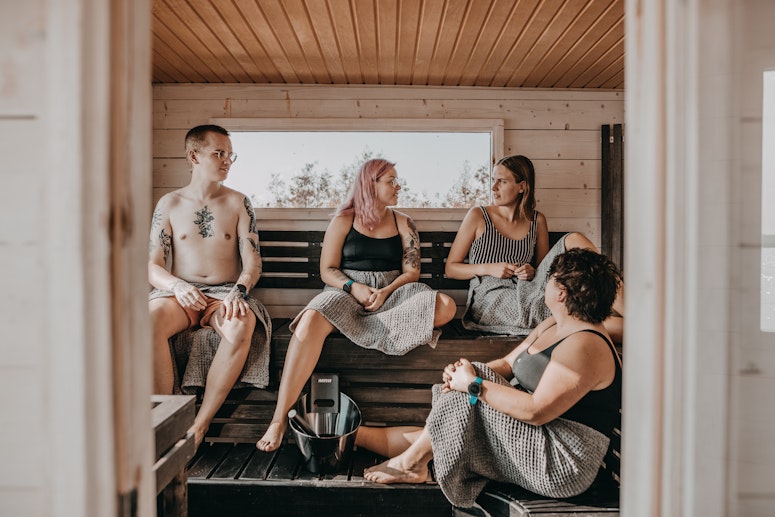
x=362, y=199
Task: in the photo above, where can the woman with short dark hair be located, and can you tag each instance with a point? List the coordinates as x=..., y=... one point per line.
x=550, y=430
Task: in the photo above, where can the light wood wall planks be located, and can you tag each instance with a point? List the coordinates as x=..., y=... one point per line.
x=558, y=129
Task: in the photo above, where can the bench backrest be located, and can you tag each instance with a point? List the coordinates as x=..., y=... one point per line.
x=292, y=259
x=291, y=256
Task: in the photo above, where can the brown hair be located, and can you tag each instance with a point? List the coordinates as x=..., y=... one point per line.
x=522, y=169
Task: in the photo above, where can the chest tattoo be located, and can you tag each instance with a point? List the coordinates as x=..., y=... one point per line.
x=204, y=220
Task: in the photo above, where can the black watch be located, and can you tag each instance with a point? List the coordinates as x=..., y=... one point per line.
x=348, y=285
x=474, y=390
x=242, y=289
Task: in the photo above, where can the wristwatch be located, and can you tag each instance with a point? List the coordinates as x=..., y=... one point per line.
x=242, y=289
x=474, y=390
x=348, y=285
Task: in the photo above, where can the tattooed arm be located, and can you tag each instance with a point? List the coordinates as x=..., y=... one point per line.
x=249, y=250
x=160, y=255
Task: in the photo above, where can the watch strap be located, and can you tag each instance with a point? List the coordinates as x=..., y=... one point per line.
x=242, y=289
x=473, y=399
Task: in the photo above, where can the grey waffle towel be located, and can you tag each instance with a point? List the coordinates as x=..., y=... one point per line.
x=193, y=349
x=404, y=322
x=475, y=444
x=509, y=306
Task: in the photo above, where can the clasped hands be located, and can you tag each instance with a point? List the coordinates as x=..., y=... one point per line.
x=457, y=376
x=508, y=270
x=370, y=297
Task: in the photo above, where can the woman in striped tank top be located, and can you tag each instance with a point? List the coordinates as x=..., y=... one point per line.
x=506, y=245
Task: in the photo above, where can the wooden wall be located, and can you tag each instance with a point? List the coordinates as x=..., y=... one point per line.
x=558, y=130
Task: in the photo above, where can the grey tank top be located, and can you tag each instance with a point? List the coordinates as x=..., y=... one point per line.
x=493, y=246
x=597, y=409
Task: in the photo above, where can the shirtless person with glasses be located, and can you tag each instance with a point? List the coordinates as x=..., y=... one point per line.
x=204, y=259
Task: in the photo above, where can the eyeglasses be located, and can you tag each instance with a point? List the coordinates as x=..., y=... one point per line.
x=222, y=155
x=395, y=182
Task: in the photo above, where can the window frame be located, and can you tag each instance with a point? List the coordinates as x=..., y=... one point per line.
x=461, y=125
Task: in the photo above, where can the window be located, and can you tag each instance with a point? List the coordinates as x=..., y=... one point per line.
x=310, y=164
x=768, y=207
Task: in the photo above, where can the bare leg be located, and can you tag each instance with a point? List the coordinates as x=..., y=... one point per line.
x=445, y=310
x=387, y=441
x=226, y=367
x=579, y=240
x=300, y=360
x=167, y=319
x=411, y=466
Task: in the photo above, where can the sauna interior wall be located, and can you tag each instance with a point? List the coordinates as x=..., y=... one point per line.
x=558, y=129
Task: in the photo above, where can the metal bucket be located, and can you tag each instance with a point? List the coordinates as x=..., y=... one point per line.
x=327, y=450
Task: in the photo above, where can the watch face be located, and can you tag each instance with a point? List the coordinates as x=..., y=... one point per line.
x=346, y=287
x=475, y=389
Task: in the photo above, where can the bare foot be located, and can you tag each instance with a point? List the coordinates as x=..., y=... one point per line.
x=391, y=471
x=272, y=438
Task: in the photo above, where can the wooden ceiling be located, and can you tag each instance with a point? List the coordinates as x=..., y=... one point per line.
x=496, y=43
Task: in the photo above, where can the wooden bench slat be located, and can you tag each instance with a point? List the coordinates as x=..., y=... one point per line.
x=287, y=461
x=257, y=466
x=234, y=462
x=229, y=475
x=205, y=464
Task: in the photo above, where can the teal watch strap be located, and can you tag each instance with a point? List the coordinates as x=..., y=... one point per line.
x=474, y=390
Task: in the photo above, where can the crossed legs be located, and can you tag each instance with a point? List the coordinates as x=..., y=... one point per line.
x=409, y=450
x=168, y=318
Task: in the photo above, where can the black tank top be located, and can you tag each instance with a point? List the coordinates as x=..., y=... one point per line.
x=363, y=253
x=597, y=409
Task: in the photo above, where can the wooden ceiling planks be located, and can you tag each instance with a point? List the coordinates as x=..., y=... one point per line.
x=511, y=43
x=570, y=45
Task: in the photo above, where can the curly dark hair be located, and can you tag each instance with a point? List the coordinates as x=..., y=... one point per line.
x=591, y=281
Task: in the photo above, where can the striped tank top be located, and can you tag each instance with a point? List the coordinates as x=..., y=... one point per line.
x=492, y=246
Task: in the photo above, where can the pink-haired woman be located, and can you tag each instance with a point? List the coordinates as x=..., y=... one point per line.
x=370, y=263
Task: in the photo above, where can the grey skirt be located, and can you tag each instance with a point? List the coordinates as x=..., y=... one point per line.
x=473, y=445
x=404, y=322
x=507, y=305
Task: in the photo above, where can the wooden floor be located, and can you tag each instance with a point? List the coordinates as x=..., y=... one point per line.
x=229, y=477
x=226, y=479
x=238, y=480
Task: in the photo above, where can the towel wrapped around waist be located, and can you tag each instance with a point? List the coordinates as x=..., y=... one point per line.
x=193, y=349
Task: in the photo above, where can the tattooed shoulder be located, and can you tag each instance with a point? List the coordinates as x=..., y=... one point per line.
x=156, y=219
